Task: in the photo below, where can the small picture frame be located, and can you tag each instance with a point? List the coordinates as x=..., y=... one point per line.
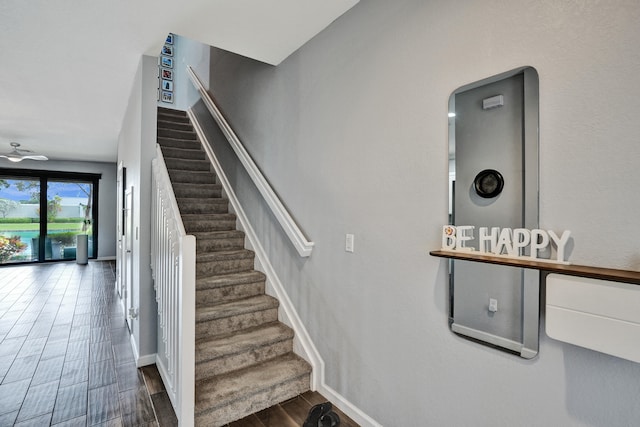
x=169, y=39
x=166, y=62
x=166, y=74
x=167, y=97
x=167, y=85
x=167, y=50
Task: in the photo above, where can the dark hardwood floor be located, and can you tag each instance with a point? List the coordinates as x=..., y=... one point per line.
x=66, y=359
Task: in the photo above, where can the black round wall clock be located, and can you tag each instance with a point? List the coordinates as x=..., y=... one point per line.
x=488, y=183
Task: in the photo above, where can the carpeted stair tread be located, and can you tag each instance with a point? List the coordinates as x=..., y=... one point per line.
x=208, y=349
x=195, y=177
x=163, y=123
x=177, y=134
x=227, y=234
x=234, y=395
x=222, y=288
x=209, y=222
x=236, y=308
x=172, y=117
x=169, y=119
x=202, y=206
x=225, y=255
x=183, y=153
x=188, y=165
x=224, y=262
x=165, y=110
x=218, y=240
x=187, y=144
x=188, y=189
x=223, y=280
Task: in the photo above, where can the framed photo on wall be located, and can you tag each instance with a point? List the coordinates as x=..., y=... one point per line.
x=167, y=85
x=166, y=62
x=167, y=97
x=169, y=39
x=167, y=50
x=166, y=74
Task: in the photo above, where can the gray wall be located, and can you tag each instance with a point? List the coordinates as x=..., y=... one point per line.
x=106, y=196
x=136, y=149
x=351, y=131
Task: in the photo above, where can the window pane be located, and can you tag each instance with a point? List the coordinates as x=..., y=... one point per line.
x=69, y=213
x=19, y=219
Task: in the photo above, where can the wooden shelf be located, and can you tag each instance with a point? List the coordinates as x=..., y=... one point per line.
x=625, y=276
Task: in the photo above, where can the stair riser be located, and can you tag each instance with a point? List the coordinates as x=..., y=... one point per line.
x=170, y=124
x=211, y=245
x=177, y=134
x=179, y=143
x=230, y=363
x=210, y=268
x=265, y=399
x=187, y=177
x=188, y=165
x=221, y=225
x=180, y=153
x=226, y=325
x=207, y=297
x=209, y=207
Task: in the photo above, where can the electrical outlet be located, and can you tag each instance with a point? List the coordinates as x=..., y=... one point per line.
x=493, y=305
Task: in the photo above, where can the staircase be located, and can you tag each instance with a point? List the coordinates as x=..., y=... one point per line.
x=244, y=357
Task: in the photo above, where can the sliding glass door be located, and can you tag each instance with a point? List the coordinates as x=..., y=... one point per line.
x=37, y=225
x=19, y=219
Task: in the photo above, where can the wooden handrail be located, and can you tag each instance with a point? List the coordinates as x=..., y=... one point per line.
x=298, y=239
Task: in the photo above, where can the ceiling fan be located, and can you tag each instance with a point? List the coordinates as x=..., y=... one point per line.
x=18, y=155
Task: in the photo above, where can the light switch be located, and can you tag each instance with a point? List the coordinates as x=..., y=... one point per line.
x=493, y=305
x=348, y=246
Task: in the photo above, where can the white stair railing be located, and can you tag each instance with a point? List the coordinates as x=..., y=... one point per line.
x=298, y=239
x=173, y=266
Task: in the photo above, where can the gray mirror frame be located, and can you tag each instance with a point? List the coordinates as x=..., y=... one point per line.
x=529, y=347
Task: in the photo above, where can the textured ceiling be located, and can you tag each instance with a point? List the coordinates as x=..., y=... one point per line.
x=67, y=66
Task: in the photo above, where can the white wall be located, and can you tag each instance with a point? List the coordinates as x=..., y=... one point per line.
x=106, y=196
x=136, y=149
x=351, y=131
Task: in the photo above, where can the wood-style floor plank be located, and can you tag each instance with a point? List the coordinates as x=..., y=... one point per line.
x=104, y=404
x=297, y=408
x=276, y=417
x=250, y=421
x=66, y=358
x=71, y=403
x=39, y=401
x=164, y=410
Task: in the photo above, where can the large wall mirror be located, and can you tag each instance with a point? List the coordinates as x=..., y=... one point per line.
x=493, y=174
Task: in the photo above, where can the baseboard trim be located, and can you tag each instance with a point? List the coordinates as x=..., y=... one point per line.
x=347, y=407
x=144, y=360
x=106, y=258
x=147, y=359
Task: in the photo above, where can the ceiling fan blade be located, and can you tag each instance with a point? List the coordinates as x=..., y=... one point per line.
x=12, y=157
x=35, y=157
